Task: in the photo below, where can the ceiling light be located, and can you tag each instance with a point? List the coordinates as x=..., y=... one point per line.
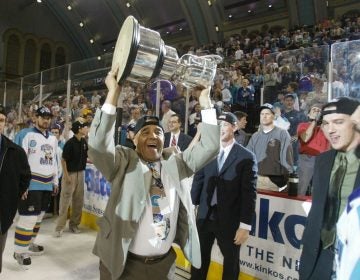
x=209, y=3
x=249, y=11
x=104, y=50
x=180, y=29
x=99, y=58
x=81, y=24
x=39, y=1
x=230, y=16
x=69, y=7
x=91, y=41
x=128, y=4
x=167, y=32
x=270, y=5
x=216, y=28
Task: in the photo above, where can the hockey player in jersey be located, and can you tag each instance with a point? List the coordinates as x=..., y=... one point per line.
x=40, y=147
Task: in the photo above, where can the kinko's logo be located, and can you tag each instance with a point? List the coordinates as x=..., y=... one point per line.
x=96, y=182
x=280, y=224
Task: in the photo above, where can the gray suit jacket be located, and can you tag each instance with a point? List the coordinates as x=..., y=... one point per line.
x=130, y=179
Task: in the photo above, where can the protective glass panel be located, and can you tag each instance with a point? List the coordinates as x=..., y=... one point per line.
x=345, y=75
x=302, y=71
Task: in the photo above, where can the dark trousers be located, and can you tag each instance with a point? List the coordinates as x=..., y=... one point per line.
x=138, y=270
x=208, y=231
x=2, y=246
x=323, y=268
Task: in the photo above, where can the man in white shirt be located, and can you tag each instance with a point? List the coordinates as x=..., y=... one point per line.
x=175, y=137
x=149, y=207
x=167, y=113
x=225, y=192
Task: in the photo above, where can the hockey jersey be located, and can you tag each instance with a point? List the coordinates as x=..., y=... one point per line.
x=41, y=152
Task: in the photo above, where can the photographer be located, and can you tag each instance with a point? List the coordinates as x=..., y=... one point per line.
x=312, y=142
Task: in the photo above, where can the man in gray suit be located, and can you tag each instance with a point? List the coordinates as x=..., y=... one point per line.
x=150, y=205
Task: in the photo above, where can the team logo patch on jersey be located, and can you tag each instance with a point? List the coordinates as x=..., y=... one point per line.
x=32, y=143
x=31, y=208
x=48, y=154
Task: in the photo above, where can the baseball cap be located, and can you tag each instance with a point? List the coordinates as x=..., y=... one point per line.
x=76, y=126
x=43, y=112
x=343, y=105
x=228, y=117
x=289, y=95
x=147, y=120
x=267, y=106
x=130, y=127
x=56, y=126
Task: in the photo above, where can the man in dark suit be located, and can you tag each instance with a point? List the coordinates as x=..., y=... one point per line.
x=225, y=191
x=175, y=137
x=15, y=177
x=336, y=175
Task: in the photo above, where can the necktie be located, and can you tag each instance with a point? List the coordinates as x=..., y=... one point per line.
x=173, y=141
x=332, y=207
x=157, y=192
x=220, y=161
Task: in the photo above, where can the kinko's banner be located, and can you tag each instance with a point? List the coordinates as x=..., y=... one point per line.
x=97, y=191
x=273, y=248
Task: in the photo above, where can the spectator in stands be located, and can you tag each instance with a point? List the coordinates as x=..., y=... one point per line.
x=135, y=115
x=294, y=117
x=292, y=89
x=336, y=175
x=245, y=94
x=270, y=85
x=280, y=101
x=239, y=53
x=40, y=147
x=95, y=99
x=257, y=80
x=312, y=142
x=73, y=162
x=15, y=177
x=317, y=96
x=166, y=114
x=240, y=135
x=272, y=148
x=225, y=192
x=179, y=103
x=56, y=130
x=175, y=138
x=88, y=116
x=130, y=135
x=194, y=120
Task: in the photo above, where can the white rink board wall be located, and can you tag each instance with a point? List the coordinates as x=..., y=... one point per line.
x=273, y=248
x=96, y=191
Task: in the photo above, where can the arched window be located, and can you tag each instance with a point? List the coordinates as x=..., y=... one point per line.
x=12, y=56
x=45, y=57
x=29, y=57
x=60, y=57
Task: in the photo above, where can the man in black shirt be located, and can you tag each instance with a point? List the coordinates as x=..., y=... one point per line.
x=72, y=186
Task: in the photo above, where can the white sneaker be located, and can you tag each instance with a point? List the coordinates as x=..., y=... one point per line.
x=58, y=233
x=35, y=250
x=23, y=259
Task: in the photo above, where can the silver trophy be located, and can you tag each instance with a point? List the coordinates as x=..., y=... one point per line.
x=142, y=55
